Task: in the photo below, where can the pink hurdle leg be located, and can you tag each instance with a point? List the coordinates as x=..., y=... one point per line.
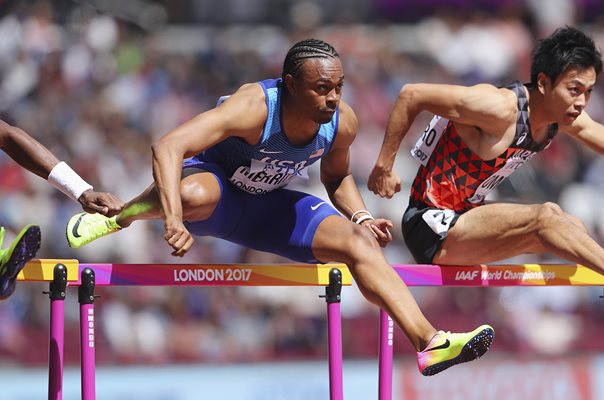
x=334, y=332
x=57, y=332
x=385, y=356
x=86, y=299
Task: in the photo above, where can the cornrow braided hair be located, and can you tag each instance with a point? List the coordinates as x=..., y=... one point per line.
x=302, y=51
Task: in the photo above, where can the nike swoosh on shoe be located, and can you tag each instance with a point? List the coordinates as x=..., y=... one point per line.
x=74, y=229
x=445, y=345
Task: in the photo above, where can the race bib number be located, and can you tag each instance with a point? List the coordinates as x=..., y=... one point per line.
x=439, y=221
x=427, y=142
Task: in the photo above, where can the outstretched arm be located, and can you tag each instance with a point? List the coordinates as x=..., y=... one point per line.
x=36, y=158
x=588, y=132
x=26, y=151
x=340, y=184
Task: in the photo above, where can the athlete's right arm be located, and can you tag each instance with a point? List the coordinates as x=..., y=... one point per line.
x=242, y=115
x=483, y=106
x=32, y=155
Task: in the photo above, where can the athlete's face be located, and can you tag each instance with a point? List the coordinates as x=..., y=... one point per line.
x=569, y=95
x=319, y=88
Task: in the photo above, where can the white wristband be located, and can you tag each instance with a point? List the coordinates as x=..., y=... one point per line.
x=363, y=219
x=68, y=181
x=358, y=212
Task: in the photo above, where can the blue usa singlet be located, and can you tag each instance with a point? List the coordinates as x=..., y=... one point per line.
x=255, y=210
x=274, y=161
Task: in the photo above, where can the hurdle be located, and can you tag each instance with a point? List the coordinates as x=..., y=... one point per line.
x=61, y=273
x=474, y=276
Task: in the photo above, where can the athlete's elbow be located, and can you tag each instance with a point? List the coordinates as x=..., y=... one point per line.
x=164, y=143
x=408, y=96
x=331, y=185
x=159, y=148
x=156, y=148
x=407, y=91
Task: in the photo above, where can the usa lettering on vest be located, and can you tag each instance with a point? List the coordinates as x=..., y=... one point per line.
x=262, y=177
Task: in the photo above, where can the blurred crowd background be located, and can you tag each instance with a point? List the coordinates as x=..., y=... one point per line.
x=97, y=81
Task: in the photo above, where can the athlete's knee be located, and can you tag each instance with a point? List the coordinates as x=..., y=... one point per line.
x=551, y=217
x=191, y=193
x=343, y=241
x=548, y=214
x=362, y=244
x=553, y=208
x=195, y=195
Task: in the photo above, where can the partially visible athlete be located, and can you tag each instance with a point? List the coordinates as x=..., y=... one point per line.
x=36, y=158
x=479, y=136
x=243, y=154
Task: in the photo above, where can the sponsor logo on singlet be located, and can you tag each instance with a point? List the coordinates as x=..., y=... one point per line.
x=521, y=138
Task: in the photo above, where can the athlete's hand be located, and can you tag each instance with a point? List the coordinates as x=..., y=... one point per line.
x=384, y=183
x=178, y=237
x=100, y=202
x=380, y=228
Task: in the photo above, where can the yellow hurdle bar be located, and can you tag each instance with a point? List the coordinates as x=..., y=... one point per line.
x=42, y=270
x=216, y=274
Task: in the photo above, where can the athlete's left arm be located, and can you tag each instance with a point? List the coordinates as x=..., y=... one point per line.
x=339, y=183
x=587, y=131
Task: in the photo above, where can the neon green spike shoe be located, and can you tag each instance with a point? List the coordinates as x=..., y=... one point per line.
x=447, y=349
x=12, y=260
x=83, y=228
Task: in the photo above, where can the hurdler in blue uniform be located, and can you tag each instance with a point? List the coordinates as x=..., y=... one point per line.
x=243, y=154
x=254, y=210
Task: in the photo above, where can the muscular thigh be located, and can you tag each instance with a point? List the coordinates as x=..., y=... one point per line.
x=491, y=233
x=282, y=222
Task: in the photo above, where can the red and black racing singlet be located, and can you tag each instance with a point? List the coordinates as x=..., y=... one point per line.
x=455, y=178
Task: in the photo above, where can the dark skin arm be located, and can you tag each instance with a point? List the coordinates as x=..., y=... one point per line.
x=339, y=182
x=36, y=158
x=242, y=115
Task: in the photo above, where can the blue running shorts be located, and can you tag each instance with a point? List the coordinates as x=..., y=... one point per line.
x=281, y=222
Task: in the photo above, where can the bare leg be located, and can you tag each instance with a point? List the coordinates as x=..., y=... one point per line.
x=144, y=206
x=199, y=192
x=495, y=232
x=340, y=240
